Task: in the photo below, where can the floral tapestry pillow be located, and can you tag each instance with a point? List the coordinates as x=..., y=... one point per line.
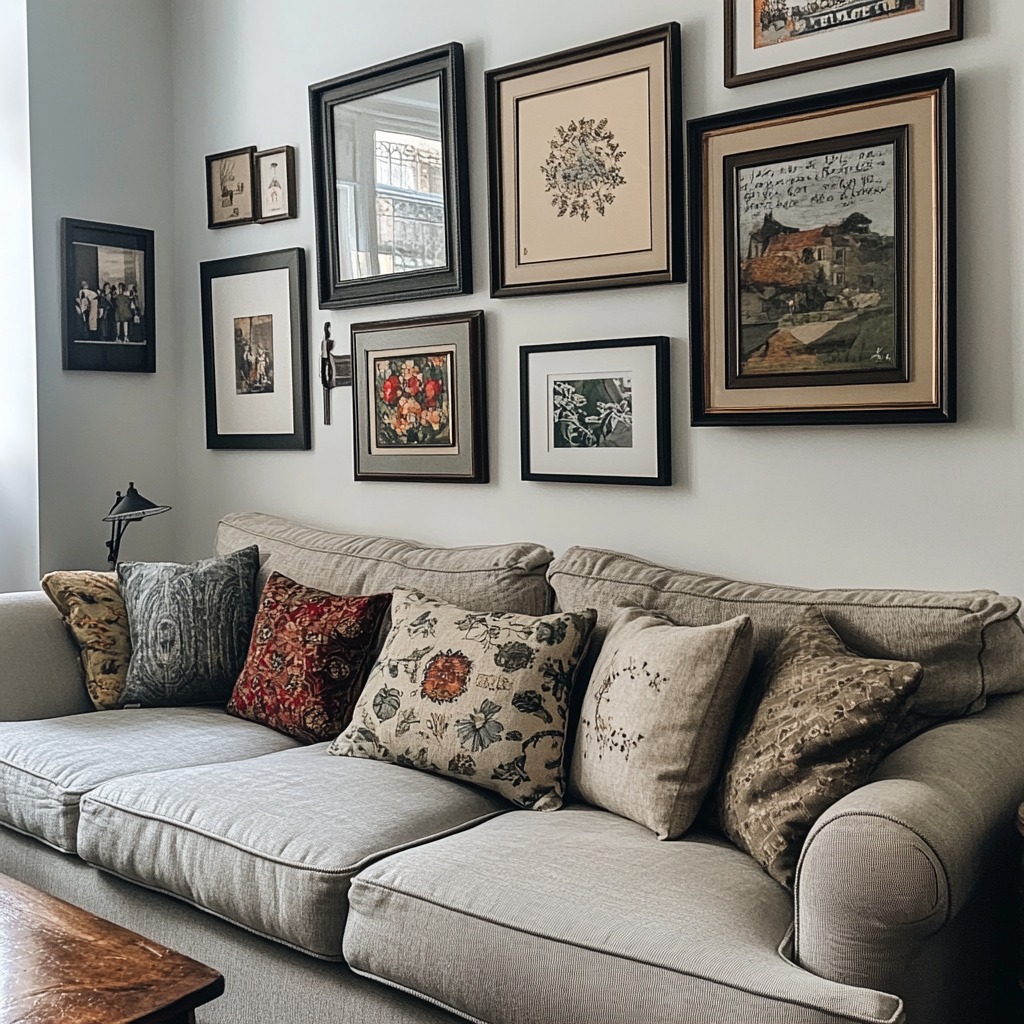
x=93, y=610
x=826, y=718
x=307, y=659
x=481, y=696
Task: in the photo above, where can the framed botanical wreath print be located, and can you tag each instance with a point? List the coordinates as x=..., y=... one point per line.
x=823, y=260
x=584, y=151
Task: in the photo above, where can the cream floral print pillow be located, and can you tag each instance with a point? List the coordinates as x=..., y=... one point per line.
x=480, y=696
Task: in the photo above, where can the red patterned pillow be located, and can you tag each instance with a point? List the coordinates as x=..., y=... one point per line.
x=307, y=659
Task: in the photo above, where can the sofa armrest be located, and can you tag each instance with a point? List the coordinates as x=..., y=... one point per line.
x=40, y=671
x=888, y=865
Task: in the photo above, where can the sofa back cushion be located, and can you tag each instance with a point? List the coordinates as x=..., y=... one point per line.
x=969, y=643
x=483, y=578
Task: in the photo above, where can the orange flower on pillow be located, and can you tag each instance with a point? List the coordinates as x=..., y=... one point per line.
x=446, y=677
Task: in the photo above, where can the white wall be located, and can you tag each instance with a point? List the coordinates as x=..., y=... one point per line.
x=19, y=480
x=100, y=101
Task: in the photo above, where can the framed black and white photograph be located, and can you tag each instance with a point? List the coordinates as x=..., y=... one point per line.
x=275, y=184
x=584, y=160
x=107, y=297
x=390, y=181
x=596, y=412
x=767, y=39
x=823, y=258
x=230, y=196
x=255, y=350
x=418, y=399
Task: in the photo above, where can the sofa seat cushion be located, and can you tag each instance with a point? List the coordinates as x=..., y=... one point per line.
x=271, y=844
x=47, y=766
x=603, y=923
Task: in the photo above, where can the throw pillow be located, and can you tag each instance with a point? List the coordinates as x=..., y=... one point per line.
x=826, y=718
x=93, y=611
x=656, y=717
x=480, y=696
x=307, y=659
x=190, y=627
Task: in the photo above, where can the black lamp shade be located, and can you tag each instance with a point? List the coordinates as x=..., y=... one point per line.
x=133, y=506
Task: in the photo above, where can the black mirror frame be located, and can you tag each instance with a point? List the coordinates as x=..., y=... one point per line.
x=456, y=278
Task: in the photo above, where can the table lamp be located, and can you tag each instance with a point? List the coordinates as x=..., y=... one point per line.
x=127, y=509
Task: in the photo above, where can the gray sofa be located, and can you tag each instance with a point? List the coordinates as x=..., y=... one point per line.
x=339, y=889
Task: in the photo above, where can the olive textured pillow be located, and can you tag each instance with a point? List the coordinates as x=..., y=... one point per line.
x=826, y=718
x=481, y=696
x=190, y=627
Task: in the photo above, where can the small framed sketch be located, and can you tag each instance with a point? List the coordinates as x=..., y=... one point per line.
x=275, y=184
x=584, y=151
x=418, y=399
x=230, y=196
x=596, y=412
x=255, y=350
x=823, y=258
x=772, y=38
x=107, y=297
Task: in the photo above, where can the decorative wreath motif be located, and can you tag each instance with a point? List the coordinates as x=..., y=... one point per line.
x=582, y=169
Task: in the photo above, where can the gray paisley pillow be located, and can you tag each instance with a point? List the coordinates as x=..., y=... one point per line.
x=190, y=627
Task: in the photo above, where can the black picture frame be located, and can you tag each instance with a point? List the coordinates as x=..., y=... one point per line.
x=921, y=389
x=336, y=288
x=611, y=63
x=229, y=175
x=445, y=357
x=561, y=448
x=952, y=31
x=286, y=207
x=242, y=351
x=110, y=324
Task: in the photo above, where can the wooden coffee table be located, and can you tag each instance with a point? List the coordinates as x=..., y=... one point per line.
x=62, y=965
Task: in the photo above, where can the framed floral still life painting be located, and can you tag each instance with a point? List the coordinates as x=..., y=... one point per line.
x=584, y=152
x=107, y=297
x=767, y=39
x=596, y=412
x=254, y=350
x=823, y=258
x=418, y=399
x=230, y=196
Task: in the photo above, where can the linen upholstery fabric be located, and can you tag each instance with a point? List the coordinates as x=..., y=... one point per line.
x=479, y=696
x=656, y=717
x=47, y=766
x=484, y=578
x=970, y=643
x=93, y=610
x=282, y=867
x=825, y=719
x=190, y=627
x=601, y=922
x=307, y=659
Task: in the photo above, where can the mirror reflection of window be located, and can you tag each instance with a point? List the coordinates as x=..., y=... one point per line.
x=390, y=182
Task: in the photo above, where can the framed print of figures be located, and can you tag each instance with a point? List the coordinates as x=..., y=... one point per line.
x=596, y=412
x=255, y=350
x=823, y=258
x=772, y=38
x=418, y=399
x=275, y=183
x=107, y=297
x=230, y=196
x=584, y=149
x=390, y=181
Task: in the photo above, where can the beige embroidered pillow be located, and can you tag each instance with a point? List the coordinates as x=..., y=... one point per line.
x=826, y=717
x=656, y=717
x=93, y=611
x=475, y=695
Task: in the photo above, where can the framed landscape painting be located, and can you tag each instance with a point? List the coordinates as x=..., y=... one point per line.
x=584, y=153
x=596, y=412
x=418, y=399
x=823, y=258
x=772, y=38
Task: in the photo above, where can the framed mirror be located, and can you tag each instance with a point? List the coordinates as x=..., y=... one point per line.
x=390, y=181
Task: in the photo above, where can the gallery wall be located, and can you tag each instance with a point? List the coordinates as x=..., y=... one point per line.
x=929, y=505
